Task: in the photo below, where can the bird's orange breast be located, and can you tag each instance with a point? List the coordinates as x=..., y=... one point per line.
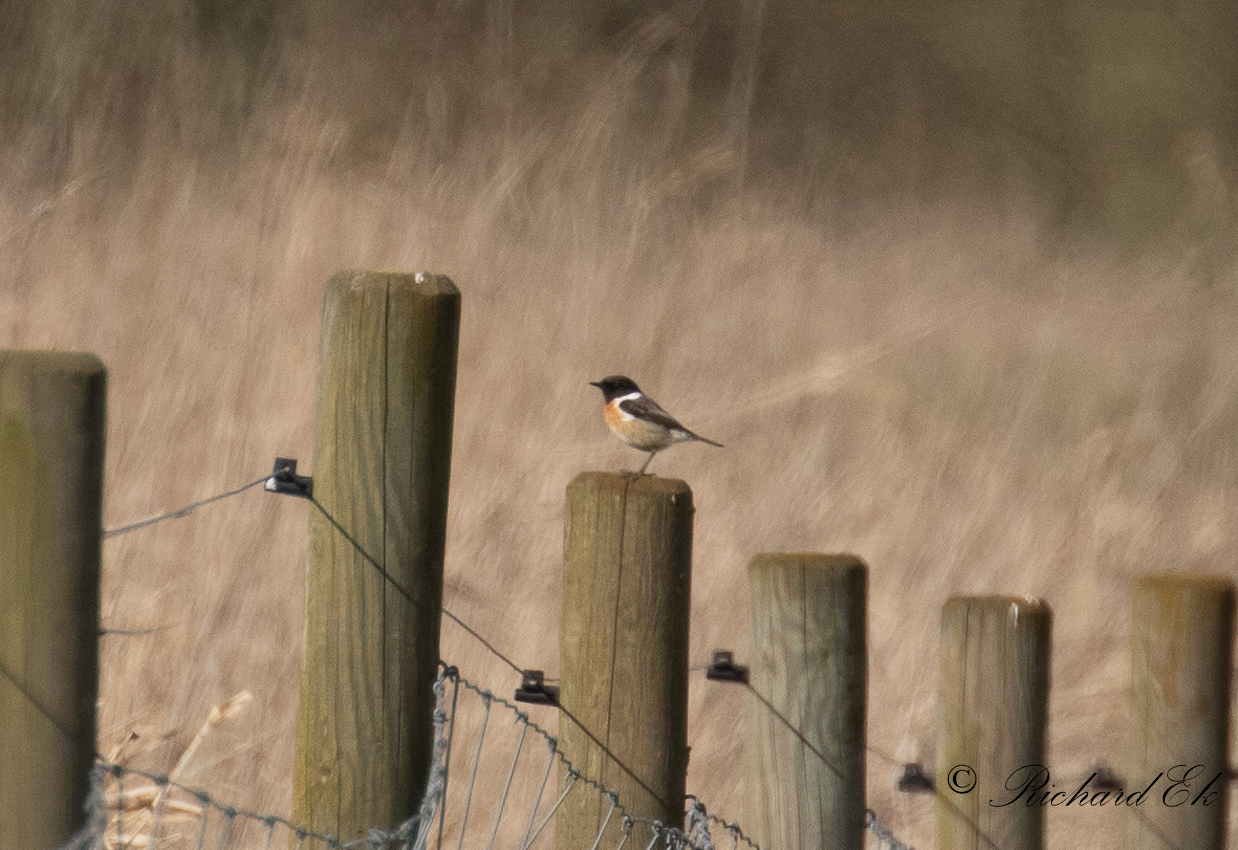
x=637, y=433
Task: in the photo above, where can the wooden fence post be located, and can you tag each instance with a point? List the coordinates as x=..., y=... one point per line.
x=382, y=458
x=809, y=660
x=994, y=688
x=623, y=650
x=52, y=408
x=1182, y=631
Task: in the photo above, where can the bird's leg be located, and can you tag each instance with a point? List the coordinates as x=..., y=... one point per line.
x=648, y=460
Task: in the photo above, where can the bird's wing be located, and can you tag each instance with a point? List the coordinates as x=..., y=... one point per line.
x=648, y=409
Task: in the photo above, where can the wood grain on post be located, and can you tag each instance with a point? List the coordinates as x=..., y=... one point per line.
x=809, y=660
x=52, y=408
x=1182, y=632
x=994, y=689
x=623, y=650
x=382, y=458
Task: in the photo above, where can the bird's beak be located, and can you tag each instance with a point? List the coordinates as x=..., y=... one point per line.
x=595, y=384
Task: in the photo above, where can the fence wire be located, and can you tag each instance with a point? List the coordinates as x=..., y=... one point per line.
x=506, y=776
x=130, y=808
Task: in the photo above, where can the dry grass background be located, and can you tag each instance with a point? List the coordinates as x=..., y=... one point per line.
x=950, y=384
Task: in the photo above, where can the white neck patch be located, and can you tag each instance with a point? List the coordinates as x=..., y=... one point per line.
x=619, y=402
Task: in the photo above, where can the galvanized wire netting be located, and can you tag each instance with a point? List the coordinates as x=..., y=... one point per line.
x=497, y=779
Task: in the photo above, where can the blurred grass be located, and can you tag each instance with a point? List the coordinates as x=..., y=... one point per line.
x=886, y=263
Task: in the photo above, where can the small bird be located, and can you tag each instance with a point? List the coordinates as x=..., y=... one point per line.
x=640, y=421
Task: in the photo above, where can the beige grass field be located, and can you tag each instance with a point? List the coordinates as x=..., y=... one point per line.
x=952, y=385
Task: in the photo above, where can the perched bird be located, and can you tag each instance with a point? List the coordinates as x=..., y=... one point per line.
x=640, y=421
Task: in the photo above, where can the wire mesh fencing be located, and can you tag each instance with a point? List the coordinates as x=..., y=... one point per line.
x=497, y=779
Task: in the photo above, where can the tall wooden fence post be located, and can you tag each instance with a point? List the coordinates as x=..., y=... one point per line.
x=382, y=458
x=1182, y=632
x=52, y=408
x=994, y=689
x=805, y=785
x=623, y=650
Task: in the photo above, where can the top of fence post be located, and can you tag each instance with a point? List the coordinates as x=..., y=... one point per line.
x=52, y=431
x=382, y=458
x=994, y=690
x=1182, y=632
x=623, y=650
x=806, y=762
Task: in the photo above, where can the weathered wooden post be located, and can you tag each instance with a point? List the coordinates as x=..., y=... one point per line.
x=994, y=689
x=52, y=408
x=382, y=458
x=623, y=650
x=1182, y=632
x=805, y=785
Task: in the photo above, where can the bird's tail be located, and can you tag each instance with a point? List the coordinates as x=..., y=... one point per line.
x=705, y=440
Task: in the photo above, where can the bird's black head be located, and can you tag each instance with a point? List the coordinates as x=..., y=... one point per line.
x=616, y=386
